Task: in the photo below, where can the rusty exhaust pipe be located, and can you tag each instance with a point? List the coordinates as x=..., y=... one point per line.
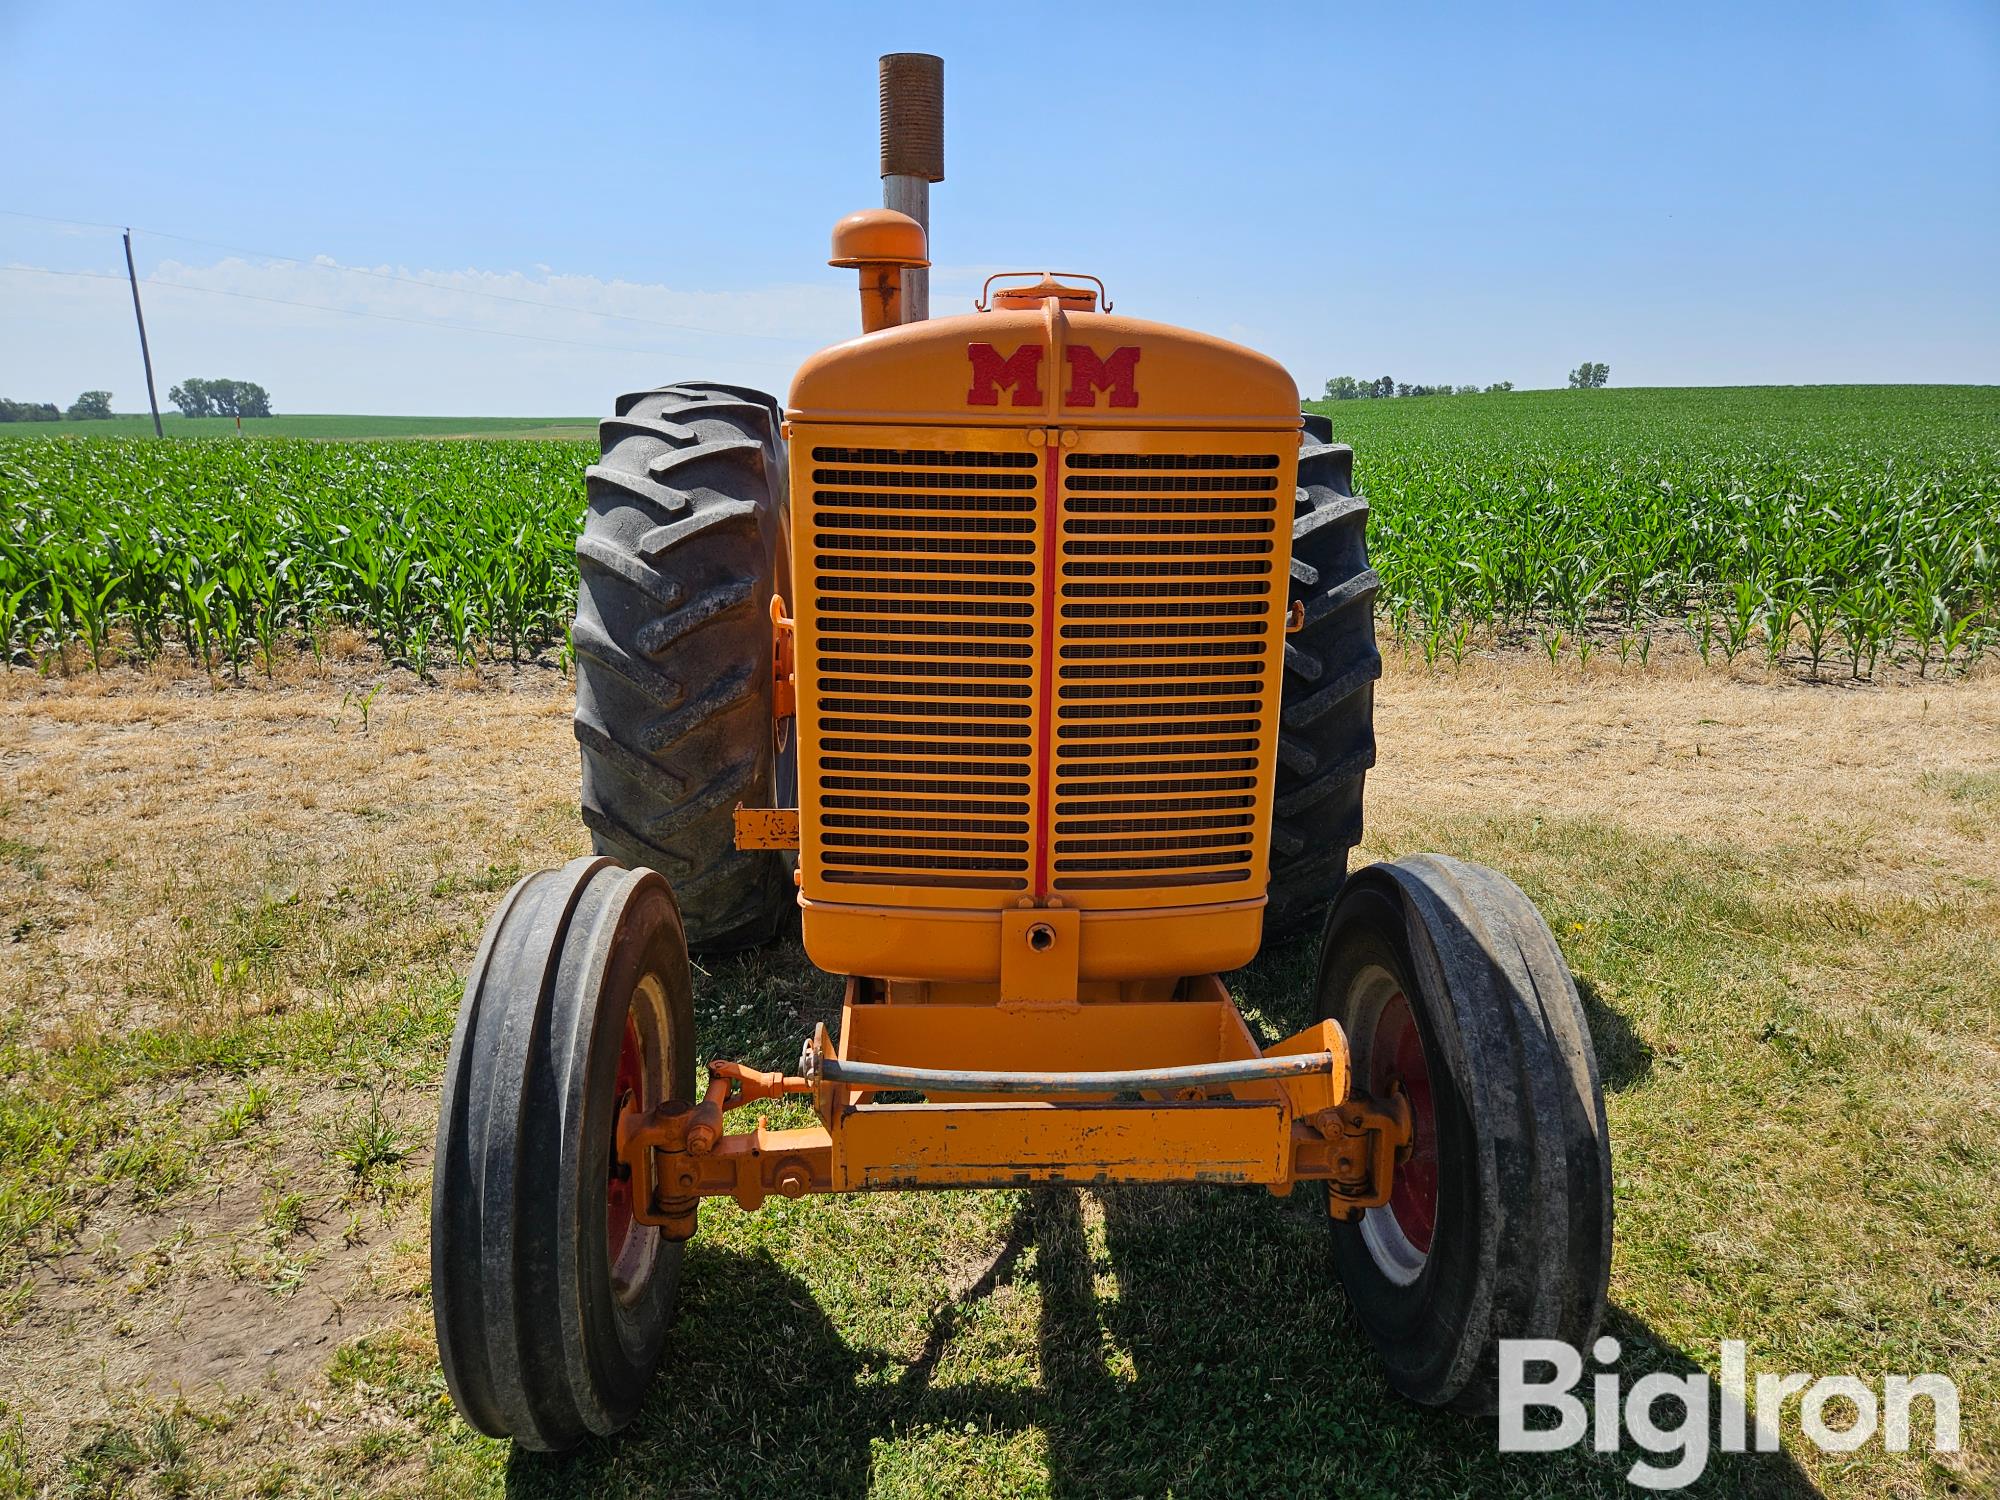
x=912, y=154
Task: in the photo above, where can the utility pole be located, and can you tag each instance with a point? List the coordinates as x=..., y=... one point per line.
x=144, y=353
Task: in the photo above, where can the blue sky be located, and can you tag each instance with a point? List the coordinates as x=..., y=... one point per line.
x=1694, y=194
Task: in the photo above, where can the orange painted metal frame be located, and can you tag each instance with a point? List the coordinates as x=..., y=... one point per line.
x=1272, y=1132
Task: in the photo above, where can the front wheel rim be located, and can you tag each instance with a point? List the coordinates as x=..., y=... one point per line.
x=1399, y=1234
x=630, y=1248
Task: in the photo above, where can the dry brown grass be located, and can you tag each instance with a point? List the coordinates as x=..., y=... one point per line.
x=1761, y=763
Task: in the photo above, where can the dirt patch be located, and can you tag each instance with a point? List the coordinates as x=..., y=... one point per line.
x=241, y=1286
x=1863, y=777
x=165, y=820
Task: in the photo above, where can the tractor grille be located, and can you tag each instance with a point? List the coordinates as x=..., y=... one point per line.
x=924, y=563
x=1168, y=563
x=1009, y=692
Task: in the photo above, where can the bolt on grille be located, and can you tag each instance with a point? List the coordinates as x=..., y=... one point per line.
x=924, y=565
x=1164, y=605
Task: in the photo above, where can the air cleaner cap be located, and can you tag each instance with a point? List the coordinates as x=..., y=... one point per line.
x=879, y=237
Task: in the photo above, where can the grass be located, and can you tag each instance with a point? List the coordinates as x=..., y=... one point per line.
x=309, y=425
x=1797, y=1021
x=371, y=1146
x=1966, y=786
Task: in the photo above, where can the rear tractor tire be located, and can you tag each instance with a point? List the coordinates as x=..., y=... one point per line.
x=684, y=544
x=551, y=1302
x=1326, y=734
x=1452, y=991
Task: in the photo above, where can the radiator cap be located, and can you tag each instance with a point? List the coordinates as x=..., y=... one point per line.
x=1074, y=299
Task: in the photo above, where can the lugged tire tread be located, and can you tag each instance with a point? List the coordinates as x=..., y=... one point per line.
x=737, y=450
x=719, y=515
x=658, y=637
x=599, y=554
x=1332, y=513
x=1301, y=662
x=1302, y=713
x=599, y=741
x=1327, y=710
x=683, y=546
x=722, y=791
x=1329, y=780
x=670, y=501
x=588, y=639
x=667, y=731
x=612, y=428
x=656, y=857
x=1358, y=590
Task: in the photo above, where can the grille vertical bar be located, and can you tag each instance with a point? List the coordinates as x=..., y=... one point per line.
x=1168, y=563
x=925, y=565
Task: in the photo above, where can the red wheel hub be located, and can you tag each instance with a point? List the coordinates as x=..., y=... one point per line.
x=1396, y=1060
x=618, y=1182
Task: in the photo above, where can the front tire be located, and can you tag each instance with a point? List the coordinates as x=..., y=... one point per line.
x=1451, y=990
x=551, y=1302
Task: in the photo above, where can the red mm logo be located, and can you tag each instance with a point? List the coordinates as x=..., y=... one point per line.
x=1115, y=374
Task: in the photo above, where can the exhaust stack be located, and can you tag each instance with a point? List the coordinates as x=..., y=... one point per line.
x=912, y=154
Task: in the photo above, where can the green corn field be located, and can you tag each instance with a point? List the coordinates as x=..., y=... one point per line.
x=1827, y=529
x=237, y=550
x=1827, y=526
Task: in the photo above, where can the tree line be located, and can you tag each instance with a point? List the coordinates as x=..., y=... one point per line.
x=91, y=406
x=221, y=398
x=1347, y=388
x=1585, y=377
x=195, y=398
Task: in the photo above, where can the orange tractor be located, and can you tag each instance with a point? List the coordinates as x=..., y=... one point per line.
x=1029, y=656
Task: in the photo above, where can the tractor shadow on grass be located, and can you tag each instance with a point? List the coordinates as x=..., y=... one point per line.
x=1229, y=1361
x=1623, y=1056
x=758, y=1395
x=1188, y=1340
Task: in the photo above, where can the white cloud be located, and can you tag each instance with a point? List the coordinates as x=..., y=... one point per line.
x=327, y=337
x=520, y=343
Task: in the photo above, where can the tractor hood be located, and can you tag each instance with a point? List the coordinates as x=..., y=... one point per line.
x=1045, y=365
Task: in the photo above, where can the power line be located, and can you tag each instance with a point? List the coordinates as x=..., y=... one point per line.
x=436, y=286
x=21, y=213
x=350, y=312
x=45, y=271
